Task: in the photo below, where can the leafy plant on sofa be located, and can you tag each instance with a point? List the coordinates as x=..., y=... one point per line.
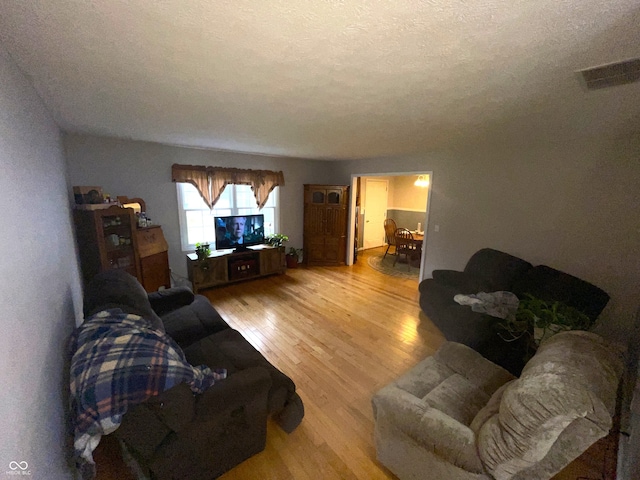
x=540, y=319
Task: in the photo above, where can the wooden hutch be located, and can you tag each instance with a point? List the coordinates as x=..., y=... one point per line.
x=325, y=224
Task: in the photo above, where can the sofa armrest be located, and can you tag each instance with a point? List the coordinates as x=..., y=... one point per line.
x=145, y=426
x=164, y=301
x=562, y=403
x=432, y=429
x=233, y=392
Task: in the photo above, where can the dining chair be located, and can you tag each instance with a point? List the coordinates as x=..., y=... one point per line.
x=405, y=244
x=390, y=228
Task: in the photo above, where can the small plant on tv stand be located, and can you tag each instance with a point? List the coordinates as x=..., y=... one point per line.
x=203, y=251
x=276, y=240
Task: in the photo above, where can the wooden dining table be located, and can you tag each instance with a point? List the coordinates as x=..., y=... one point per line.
x=417, y=237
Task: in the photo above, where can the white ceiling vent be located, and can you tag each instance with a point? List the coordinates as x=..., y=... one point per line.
x=612, y=74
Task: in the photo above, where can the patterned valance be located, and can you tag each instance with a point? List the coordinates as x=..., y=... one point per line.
x=210, y=181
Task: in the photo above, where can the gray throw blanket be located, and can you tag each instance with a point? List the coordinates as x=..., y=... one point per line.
x=497, y=304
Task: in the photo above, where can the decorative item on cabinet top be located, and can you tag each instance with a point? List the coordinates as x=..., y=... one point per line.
x=91, y=198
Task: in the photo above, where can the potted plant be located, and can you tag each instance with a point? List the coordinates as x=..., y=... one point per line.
x=293, y=257
x=202, y=251
x=549, y=318
x=541, y=319
x=276, y=239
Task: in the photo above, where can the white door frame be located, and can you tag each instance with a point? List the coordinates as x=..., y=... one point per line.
x=352, y=212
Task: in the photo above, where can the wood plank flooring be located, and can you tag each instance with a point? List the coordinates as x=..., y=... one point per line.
x=340, y=333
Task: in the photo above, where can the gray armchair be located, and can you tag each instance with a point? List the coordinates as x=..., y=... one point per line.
x=458, y=416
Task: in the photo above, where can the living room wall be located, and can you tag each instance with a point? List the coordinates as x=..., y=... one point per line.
x=40, y=298
x=573, y=207
x=143, y=169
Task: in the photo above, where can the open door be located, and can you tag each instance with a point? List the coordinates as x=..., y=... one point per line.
x=374, y=201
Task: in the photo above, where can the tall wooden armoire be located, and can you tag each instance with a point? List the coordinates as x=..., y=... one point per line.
x=325, y=224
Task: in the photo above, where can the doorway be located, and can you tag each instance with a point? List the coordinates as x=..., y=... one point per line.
x=407, y=203
x=374, y=211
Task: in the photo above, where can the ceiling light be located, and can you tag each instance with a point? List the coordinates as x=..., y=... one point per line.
x=422, y=181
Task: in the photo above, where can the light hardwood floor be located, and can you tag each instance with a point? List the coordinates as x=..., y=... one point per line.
x=340, y=333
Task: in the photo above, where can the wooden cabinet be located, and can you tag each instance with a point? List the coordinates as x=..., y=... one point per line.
x=272, y=260
x=211, y=272
x=154, y=259
x=325, y=224
x=107, y=240
x=223, y=267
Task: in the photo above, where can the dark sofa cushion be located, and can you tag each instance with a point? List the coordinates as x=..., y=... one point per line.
x=461, y=282
x=118, y=289
x=497, y=269
x=458, y=323
x=163, y=301
x=197, y=320
x=228, y=349
x=553, y=285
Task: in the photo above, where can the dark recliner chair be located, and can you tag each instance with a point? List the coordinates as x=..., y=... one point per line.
x=490, y=270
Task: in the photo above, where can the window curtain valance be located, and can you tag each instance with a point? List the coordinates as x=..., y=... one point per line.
x=211, y=181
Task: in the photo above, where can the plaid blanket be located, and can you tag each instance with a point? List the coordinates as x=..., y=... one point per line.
x=120, y=361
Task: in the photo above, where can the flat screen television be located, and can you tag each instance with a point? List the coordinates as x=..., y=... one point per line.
x=239, y=231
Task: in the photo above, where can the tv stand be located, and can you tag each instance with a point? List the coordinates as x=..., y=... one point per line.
x=224, y=267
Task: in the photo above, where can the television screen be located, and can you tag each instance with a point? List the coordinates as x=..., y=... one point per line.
x=239, y=231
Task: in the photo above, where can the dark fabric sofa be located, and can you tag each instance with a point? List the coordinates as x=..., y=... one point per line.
x=181, y=435
x=490, y=270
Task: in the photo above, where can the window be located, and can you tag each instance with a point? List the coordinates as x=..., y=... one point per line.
x=196, y=220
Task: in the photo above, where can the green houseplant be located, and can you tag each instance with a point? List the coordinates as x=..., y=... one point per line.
x=541, y=319
x=202, y=251
x=293, y=257
x=549, y=318
x=276, y=239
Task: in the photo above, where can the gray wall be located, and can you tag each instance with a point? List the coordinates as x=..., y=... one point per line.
x=40, y=298
x=143, y=169
x=573, y=207
x=406, y=218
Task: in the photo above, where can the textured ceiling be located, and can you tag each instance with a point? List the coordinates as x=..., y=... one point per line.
x=331, y=79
